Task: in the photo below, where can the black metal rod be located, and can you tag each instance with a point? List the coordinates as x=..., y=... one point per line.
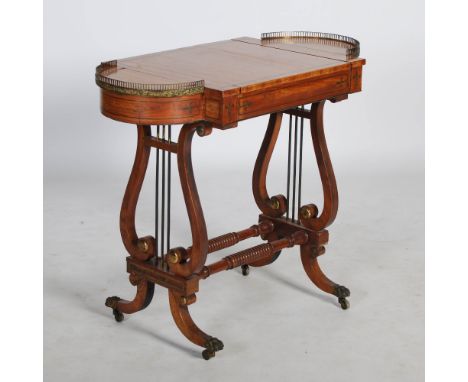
x=156, y=202
x=169, y=195
x=289, y=167
x=163, y=198
x=300, y=162
x=295, y=169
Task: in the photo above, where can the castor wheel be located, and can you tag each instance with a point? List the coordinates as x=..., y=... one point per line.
x=344, y=303
x=245, y=269
x=342, y=292
x=211, y=347
x=118, y=315
x=207, y=354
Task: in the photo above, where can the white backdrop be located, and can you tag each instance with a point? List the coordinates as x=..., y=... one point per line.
x=376, y=141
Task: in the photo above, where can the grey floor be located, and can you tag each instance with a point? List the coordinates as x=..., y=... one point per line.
x=275, y=324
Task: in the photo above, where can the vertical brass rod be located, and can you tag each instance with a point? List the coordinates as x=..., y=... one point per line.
x=289, y=166
x=169, y=194
x=293, y=212
x=156, y=202
x=300, y=163
x=163, y=196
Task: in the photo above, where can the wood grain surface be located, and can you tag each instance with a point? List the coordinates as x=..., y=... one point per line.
x=244, y=77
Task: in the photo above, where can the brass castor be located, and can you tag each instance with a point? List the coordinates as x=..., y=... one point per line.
x=344, y=303
x=118, y=315
x=212, y=346
x=111, y=302
x=245, y=269
x=342, y=292
x=206, y=354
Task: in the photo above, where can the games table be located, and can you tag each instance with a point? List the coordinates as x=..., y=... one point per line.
x=215, y=86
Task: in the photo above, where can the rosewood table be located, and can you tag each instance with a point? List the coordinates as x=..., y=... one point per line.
x=214, y=86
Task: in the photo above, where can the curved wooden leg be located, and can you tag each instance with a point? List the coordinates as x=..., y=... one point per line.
x=308, y=214
x=276, y=205
x=189, y=329
x=199, y=249
x=309, y=256
x=141, y=249
x=143, y=297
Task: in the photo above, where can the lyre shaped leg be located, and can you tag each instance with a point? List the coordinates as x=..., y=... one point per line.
x=276, y=205
x=308, y=213
x=130, y=200
x=192, y=201
x=189, y=329
x=145, y=289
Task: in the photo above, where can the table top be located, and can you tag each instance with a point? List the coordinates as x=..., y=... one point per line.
x=238, y=66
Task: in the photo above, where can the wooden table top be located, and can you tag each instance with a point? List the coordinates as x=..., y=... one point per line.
x=239, y=66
